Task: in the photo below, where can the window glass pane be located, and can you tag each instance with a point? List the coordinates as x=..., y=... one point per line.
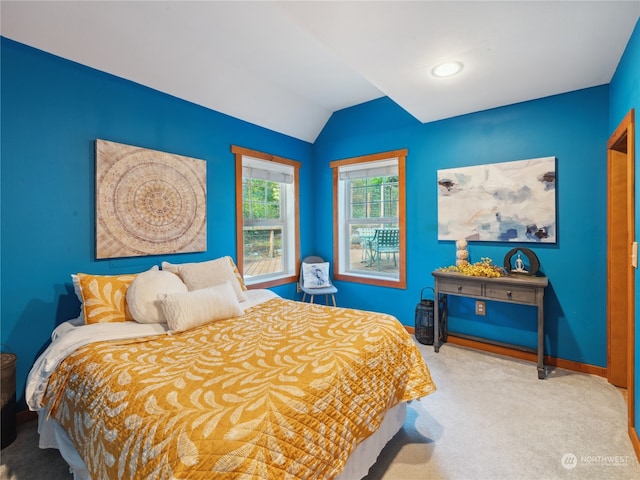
x=373, y=197
x=368, y=255
x=262, y=250
x=373, y=205
x=263, y=226
x=260, y=199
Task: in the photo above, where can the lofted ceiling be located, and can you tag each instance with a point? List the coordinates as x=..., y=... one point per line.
x=287, y=66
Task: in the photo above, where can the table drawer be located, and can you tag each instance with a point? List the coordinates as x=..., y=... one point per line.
x=511, y=294
x=460, y=288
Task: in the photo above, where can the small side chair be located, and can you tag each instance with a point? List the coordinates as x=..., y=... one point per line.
x=318, y=281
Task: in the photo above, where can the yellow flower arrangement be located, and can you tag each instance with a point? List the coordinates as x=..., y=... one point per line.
x=483, y=268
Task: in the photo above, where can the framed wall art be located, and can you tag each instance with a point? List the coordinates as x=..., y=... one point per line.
x=148, y=202
x=499, y=202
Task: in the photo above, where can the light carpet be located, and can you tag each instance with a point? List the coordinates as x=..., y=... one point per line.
x=491, y=418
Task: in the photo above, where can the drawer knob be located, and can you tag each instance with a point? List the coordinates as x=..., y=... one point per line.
x=509, y=293
x=459, y=288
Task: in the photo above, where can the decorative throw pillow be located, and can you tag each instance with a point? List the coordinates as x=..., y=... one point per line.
x=173, y=267
x=184, y=311
x=209, y=274
x=143, y=293
x=236, y=272
x=316, y=275
x=104, y=297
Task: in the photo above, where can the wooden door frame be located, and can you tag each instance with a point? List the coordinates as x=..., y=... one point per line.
x=623, y=140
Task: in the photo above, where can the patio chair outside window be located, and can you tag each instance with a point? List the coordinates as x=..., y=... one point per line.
x=366, y=238
x=386, y=241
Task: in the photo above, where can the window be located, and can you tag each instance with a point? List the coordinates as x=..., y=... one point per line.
x=369, y=230
x=268, y=242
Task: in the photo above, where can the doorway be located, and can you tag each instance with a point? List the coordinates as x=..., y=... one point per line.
x=620, y=271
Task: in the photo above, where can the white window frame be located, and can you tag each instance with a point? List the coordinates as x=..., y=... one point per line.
x=258, y=165
x=383, y=164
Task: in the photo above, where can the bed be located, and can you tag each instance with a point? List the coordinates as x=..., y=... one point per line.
x=284, y=390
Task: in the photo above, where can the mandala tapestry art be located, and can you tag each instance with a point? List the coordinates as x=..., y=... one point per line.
x=148, y=202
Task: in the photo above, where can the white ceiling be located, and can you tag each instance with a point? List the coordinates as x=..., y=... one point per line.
x=287, y=66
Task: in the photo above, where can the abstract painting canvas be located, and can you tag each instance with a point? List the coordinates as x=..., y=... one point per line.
x=499, y=202
x=148, y=202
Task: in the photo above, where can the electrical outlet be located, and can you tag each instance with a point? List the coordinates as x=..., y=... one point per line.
x=480, y=308
x=298, y=289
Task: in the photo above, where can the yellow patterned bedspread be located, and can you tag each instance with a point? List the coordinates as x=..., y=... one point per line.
x=286, y=391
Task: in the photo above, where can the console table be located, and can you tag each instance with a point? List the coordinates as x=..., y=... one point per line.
x=521, y=289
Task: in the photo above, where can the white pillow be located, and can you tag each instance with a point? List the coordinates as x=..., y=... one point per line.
x=173, y=267
x=316, y=275
x=184, y=311
x=142, y=294
x=209, y=274
x=76, y=288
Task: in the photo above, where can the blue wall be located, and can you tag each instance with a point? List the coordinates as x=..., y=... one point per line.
x=53, y=110
x=625, y=95
x=572, y=127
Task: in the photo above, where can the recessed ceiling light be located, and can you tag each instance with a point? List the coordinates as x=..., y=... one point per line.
x=446, y=69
